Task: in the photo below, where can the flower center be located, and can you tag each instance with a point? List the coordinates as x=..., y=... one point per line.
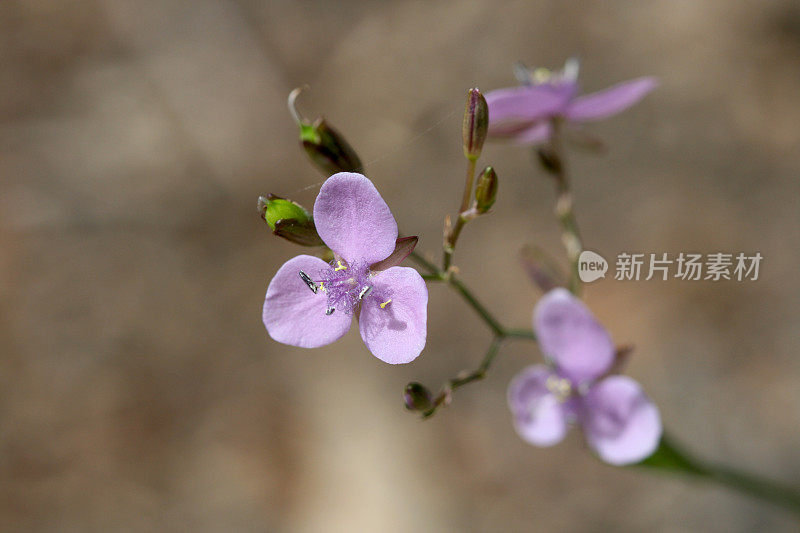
x=346, y=286
x=560, y=388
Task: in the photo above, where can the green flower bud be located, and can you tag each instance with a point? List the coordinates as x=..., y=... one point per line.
x=417, y=397
x=289, y=220
x=486, y=190
x=328, y=150
x=326, y=147
x=475, y=124
x=274, y=208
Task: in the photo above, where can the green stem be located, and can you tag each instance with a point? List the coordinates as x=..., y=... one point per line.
x=500, y=333
x=479, y=308
x=671, y=458
x=435, y=274
x=445, y=393
x=466, y=199
x=452, y=233
x=519, y=334
x=570, y=234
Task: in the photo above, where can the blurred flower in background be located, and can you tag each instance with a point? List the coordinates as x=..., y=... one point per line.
x=525, y=114
x=620, y=423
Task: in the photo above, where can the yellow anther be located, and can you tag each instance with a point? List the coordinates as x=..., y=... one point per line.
x=541, y=75
x=339, y=266
x=561, y=388
x=384, y=304
x=322, y=285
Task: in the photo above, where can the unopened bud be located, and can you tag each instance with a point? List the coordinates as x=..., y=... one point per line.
x=549, y=160
x=289, y=220
x=475, y=125
x=417, y=397
x=328, y=150
x=486, y=190
x=325, y=146
x=542, y=270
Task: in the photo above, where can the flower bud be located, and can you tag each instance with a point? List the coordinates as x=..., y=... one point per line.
x=417, y=397
x=486, y=190
x=402, y=249
x=289, y=220
x=542, y=270
x=549, y=160
x=328, y=150
x=326, y=147
x=475, y=125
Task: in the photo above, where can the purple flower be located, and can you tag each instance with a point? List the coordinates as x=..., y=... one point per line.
x=619, y=422
x=525, y=114
x=310, y=303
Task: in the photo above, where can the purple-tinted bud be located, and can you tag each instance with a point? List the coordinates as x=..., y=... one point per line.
x=417, y=397
x=475, y=125
x=542, y=270
x=402, y=248
x=289, y=220
x=486, y=190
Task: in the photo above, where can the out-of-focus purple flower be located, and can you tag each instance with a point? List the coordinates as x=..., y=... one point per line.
x=310, y=303
x=620, y=423
x=525, y=114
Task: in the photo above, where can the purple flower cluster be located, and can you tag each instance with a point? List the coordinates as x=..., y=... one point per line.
x=619, y=422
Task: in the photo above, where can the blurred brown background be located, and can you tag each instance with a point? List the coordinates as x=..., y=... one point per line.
x=138, y=388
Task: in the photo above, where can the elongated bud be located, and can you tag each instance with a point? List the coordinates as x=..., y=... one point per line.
x=475, y=125
x=542, y=270
x=486, y=190
x=325, y=146
x=417, y=397
x=289, y=220
x=549, y=160
x=328, y=150
x=402, y=248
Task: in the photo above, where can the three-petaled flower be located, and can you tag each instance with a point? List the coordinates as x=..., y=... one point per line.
x=619, y=422
x=310, y=303
x=525, y=114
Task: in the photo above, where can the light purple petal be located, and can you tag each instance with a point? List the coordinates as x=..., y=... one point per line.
x=396, y=332
x=539, y=418
x=518, y=107
x=353, y=220
x=293, y=314
x=621, y=423
x=608, y=102
x=539, y=133
x=571, y=337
